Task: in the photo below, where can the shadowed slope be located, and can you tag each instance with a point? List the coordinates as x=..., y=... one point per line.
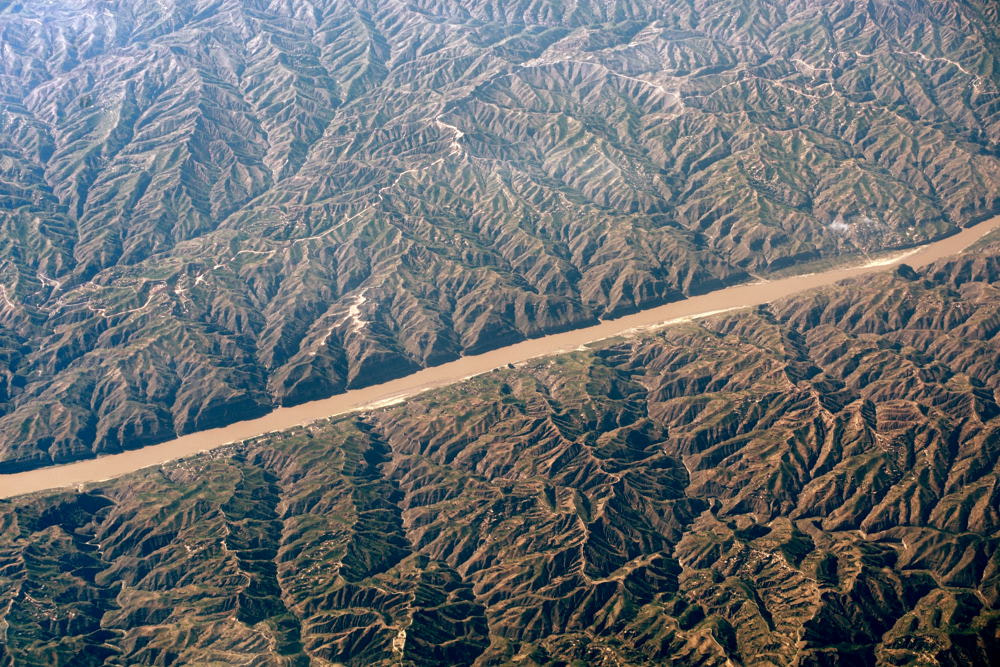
x=212, y=208
x=814, y=481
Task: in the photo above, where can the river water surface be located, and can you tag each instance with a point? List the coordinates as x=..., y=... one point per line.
x=394, y=391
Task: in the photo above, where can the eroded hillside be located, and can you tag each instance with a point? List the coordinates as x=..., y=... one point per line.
x=811, y=481
x=211, y=208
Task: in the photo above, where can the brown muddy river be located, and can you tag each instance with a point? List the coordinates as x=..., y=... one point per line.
x=729, y=298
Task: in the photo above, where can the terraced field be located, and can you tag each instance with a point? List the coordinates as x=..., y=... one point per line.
x=208, y=209
x=814, y=482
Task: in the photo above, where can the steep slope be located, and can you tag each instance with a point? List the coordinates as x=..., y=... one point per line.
x=815, y=481
x=211, y=208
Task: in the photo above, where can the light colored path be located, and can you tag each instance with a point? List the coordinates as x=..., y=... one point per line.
x=394, y=391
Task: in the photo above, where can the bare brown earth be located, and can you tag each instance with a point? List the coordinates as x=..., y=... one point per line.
x=736, y=297
x=814, y=481
x=213, y=208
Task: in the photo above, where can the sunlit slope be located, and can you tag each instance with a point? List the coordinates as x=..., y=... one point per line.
x=812, y=482
x=207, y=209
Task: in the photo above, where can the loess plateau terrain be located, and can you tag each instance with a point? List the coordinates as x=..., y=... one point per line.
x=209, y=208
x=812, y=482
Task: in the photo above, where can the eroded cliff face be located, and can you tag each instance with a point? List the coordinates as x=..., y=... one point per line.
x=211, y=208
x=811, y=482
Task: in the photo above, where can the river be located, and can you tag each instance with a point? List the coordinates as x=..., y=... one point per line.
x=394, y=391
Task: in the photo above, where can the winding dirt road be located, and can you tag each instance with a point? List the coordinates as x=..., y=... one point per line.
x=394, y=391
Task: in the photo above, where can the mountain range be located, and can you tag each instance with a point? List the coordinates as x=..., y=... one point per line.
x=212, y=208
x=811, y=482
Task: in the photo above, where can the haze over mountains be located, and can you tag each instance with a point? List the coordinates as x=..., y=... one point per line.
x=814, y=482
x=211, y=208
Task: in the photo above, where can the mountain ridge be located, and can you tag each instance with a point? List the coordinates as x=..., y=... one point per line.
x=811, y=482
x=214, y=208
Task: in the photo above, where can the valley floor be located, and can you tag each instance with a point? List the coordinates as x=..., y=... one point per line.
x=394, y=391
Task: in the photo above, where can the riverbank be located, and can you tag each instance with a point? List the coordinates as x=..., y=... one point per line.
x=394, y=391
